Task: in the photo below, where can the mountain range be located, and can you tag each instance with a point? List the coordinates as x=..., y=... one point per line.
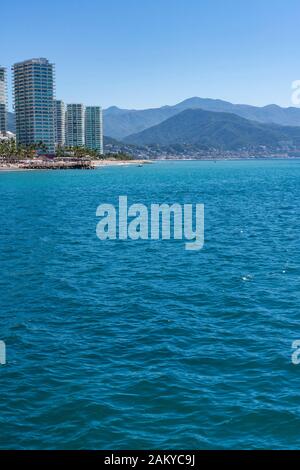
x=120, y=123
x=206, y=122
x=224, y=131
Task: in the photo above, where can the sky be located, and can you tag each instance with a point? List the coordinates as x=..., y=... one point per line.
x=148, y=53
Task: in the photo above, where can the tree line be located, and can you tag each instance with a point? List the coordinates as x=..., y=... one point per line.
x=11, y=152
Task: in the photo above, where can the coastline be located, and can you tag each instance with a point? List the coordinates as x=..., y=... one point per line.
x=96, y=164
x=9, y=168
x=15, y=167
x=104, y=163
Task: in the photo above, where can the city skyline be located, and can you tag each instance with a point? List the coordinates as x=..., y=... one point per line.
x=141, y=56
x=43, y=120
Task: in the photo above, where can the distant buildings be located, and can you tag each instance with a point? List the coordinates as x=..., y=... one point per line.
x=34, y=102
x=84, y=127
x=3, y=101
x=75, y=125
x=60, y=122
x=94, y=128
x=43, y=120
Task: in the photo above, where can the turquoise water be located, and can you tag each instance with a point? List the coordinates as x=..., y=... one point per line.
x=143, y=344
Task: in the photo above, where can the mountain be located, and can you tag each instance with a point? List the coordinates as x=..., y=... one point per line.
x=271, y=113
x=216, y=130
x=119, y=123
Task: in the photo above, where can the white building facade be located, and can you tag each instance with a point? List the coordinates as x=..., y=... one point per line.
x=34, y=103
x=75, y=125
x=60, y=123
x=94, y=128
x=3, y=101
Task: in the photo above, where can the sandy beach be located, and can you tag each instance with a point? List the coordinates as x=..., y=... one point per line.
x=103, y=163
x=5, y=168
x=94, y=164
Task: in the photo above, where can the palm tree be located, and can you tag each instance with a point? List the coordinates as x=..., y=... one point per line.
x=60, y=151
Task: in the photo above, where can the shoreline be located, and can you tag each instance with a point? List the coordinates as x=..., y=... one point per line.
x=103, y=163
x=225, y=159
x=13, y=168
x=96, y=164
x=16, y=167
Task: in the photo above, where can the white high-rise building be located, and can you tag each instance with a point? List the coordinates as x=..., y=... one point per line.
x=60, y=123
x=3, y=101
x=34, y=102
x=94, y=128
x=75, y=134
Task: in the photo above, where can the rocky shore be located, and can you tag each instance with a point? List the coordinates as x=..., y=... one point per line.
x=65, y=165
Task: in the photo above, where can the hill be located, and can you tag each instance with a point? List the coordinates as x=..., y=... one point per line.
x=119, y=123
x=216, y=130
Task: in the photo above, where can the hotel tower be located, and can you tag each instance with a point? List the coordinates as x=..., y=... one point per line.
x=75, y=125
x=60, y=123
x=93, y=128
x=34, y=102
x=3, y=101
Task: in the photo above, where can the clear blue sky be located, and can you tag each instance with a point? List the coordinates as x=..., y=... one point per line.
x=147, y=53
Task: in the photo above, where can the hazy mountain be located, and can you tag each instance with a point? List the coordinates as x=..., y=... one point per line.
x=215, y=130
x=119, y=123
x=267, y=114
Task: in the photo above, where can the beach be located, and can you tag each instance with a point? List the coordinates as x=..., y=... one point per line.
x=103, y=163
x=61, y=165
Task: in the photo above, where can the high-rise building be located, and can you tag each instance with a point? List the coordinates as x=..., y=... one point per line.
x=60, y=122
x=94, y=128
x=75, y=125
x=34, y=102
x=3, y=101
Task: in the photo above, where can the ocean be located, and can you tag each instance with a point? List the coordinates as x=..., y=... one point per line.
x=142, y=344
